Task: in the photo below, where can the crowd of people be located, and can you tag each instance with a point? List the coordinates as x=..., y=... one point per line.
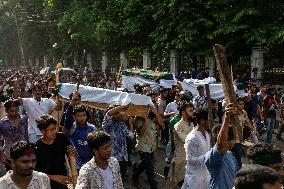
x=199, y=154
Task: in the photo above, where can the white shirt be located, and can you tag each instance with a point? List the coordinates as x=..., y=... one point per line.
x=172, y=107
x=107, y=177
x=36, y=109
x=39, y=181
x=196, y=145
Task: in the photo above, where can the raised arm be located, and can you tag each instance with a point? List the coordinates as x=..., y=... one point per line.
x=222, y=138
x=117, y=109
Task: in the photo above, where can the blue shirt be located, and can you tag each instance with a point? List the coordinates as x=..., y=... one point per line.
x=118, y=132
x=78, y=138
x=222, y=169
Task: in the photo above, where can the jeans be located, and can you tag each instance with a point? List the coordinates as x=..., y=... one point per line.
x=146, y=162
x=270, y=122
x=237, y=154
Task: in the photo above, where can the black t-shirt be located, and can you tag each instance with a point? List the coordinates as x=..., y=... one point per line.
x=51, y=158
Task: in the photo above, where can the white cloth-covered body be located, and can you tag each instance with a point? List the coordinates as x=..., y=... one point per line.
x=98, y=95
x=128, y=82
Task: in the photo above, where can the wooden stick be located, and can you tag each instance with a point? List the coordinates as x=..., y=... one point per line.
x=74, y=172
x=227, y=83
x=67, y=164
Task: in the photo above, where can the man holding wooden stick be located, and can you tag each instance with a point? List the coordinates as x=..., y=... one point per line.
x=79, y=131
x=51, y=150
x=38, y=106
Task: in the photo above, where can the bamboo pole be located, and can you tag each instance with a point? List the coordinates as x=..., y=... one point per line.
x=73, y=168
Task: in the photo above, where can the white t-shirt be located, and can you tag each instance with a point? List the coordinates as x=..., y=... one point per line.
x=36, y=109
x=172, y=107
x=108, y=178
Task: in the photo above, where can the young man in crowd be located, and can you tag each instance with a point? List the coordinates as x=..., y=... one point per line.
x=146, y=145
x=162, y=104
x=181, y=130
x=197, y=144
x=51, y=149
x=244, y=123
x=75, y=99
x=22, y=175
x=220, y=162
x=257, y=177
x=252, y=103
x=102, y=171
x=261, y=94
x=36, y=107
x=79, y=131
x=181, y=96
x=269, y=109
x=172, y=107
x=13, y=127
x=200, y=101
x=119, y=130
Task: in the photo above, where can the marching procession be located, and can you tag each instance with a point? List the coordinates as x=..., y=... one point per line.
x=54, y=142
x=138, y=94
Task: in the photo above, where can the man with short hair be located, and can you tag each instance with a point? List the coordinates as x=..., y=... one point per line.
x=269, y=109
x=119, y=130
x=257, y=177
x=38, y=106
x=252, y=103
x=146, y=145
x=162, y=104
x=13, y=127
x=200, y=101
x=244, y=123
x=172, y=107
x=22, y=175
x=102, y=171
x=261, y=94
x=197, y=144
x=181, y=130
x=220, y=162
x=79, y=131
x=51, y=149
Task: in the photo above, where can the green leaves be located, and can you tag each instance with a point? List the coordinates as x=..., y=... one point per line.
x=133, y=25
